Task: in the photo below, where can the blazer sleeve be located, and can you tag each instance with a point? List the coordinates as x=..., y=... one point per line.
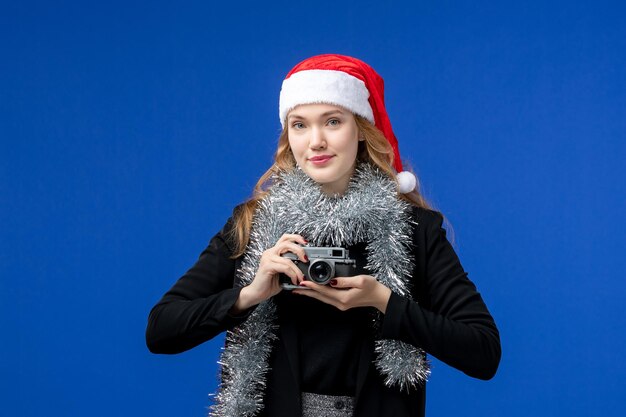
x=196, y=308
x=447, y=318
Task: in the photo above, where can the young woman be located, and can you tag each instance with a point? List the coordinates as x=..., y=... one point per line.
x=302, y=341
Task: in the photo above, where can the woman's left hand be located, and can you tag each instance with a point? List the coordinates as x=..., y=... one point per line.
x=349, y=292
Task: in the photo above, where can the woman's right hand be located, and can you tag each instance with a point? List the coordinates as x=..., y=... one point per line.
x=265, y=283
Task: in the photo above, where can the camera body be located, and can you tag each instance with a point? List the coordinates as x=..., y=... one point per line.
x=324, y=264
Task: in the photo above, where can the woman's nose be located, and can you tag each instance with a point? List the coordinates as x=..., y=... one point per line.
x=317, y=139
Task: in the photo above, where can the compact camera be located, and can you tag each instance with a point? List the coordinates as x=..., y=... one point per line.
x=324, y=264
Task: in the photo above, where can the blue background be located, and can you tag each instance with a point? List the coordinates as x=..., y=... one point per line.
x=129, y=130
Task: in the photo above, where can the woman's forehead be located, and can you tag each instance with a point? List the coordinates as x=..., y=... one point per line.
x=314, y=110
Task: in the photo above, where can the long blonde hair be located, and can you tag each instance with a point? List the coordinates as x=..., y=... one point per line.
x=374, y=149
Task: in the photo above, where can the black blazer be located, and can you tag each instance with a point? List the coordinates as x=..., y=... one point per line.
x=446, y=317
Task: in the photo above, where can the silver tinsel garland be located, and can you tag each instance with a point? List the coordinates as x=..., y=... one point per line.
x=369, y=212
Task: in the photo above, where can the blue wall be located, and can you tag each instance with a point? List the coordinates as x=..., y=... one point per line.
x=129, y=130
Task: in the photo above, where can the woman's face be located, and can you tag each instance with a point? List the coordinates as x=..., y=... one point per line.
x=324, y=140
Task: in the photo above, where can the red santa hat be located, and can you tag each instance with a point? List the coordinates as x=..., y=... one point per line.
x=347, y=82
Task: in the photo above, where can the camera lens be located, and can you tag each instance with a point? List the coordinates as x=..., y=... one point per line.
x=320, y=272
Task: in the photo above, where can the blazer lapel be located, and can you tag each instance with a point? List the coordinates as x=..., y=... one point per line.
x=289, y=394
x=365, y=360
x=289, y=338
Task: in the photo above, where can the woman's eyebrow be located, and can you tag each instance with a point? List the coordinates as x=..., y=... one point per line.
x=325, y=114
x=328, y=113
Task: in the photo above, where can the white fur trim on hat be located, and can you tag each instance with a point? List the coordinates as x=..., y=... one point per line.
x=325, y=86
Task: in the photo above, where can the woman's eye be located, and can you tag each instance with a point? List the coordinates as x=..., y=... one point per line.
x=333, y=122
x=297, y=125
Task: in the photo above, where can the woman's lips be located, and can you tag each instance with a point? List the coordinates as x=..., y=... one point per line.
x=320, y=160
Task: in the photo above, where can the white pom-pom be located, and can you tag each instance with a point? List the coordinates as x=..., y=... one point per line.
x=406, y=182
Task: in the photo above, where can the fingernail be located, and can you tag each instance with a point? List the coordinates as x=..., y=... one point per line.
x=333, y=282
x=301, y=283
x=306, y=258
